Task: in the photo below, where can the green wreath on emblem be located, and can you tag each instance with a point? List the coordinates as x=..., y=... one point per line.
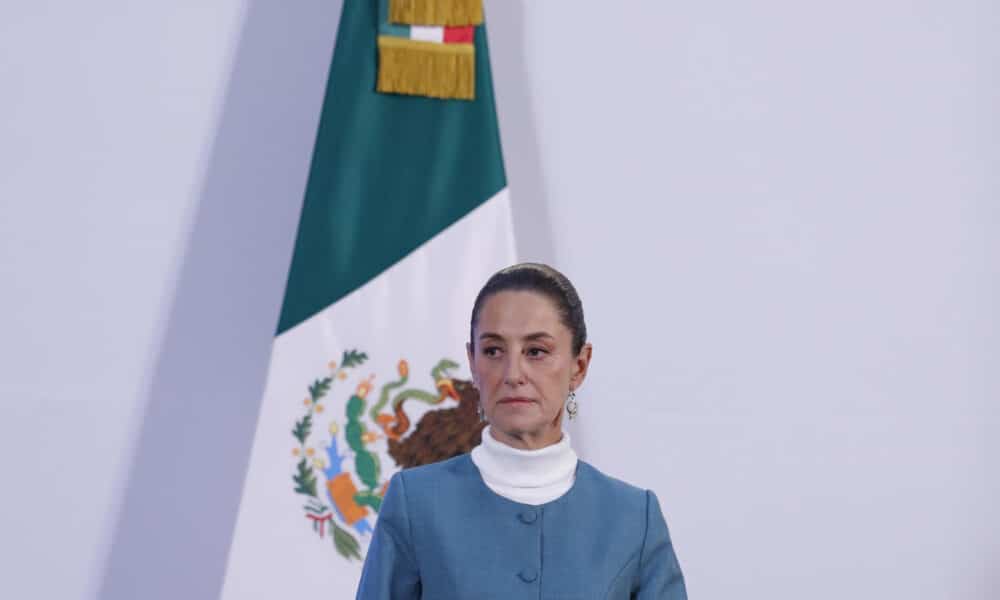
x=341, y=505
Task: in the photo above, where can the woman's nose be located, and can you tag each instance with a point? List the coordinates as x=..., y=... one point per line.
x=513, y=376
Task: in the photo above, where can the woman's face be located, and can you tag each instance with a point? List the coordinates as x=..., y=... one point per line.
x=523, y=366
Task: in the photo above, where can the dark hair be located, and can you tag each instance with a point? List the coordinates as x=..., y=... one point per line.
x=543, y=279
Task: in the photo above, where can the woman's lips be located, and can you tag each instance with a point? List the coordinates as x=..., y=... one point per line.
x=516, y=401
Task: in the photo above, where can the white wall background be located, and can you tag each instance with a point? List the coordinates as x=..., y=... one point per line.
x=782, y=216
x=783, y=220
x=152, y=164
x=108, y=110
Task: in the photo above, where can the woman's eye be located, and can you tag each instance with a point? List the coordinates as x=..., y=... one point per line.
x=536, y=352
x=491, y=351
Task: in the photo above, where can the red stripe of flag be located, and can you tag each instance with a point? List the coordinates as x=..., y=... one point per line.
x=459, y=35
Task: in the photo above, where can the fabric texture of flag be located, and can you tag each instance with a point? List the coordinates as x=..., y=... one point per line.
x=405, y=216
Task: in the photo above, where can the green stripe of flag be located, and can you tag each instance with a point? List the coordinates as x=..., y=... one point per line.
x=394, y=30
x=388, y=172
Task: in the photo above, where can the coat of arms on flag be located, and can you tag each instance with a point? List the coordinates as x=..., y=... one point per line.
x=341, y=475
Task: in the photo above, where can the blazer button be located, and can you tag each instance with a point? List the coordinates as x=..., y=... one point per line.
x=528, y=575
x=528, y=516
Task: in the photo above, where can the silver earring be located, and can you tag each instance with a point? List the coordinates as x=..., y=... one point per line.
x=479, y=411
x=571, y=406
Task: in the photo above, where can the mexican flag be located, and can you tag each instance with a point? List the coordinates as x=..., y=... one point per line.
x=405, y=216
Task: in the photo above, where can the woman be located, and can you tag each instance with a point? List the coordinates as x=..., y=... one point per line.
x=520, y=516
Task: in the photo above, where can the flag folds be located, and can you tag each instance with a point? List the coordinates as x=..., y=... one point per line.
x=405, y=216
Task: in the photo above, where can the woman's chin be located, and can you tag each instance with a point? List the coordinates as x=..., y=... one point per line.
x=519, y=423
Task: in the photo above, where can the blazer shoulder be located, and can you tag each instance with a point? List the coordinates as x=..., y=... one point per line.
x=435, y=478
x=611, y=489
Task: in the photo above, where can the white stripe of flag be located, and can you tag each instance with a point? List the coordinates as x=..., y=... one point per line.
x=426, y=33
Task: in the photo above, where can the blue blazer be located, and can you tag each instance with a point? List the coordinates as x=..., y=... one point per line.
x=442, y=534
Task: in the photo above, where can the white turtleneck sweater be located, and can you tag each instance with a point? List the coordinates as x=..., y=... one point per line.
x=526, y=476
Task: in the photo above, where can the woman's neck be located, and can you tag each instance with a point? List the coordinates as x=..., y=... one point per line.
x=526, y=476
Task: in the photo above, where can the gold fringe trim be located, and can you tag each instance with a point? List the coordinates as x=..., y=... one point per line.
x=429, y=69
x=436, y=12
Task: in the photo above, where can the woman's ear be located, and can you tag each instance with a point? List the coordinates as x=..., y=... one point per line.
x=469, y=355
x=580, y=366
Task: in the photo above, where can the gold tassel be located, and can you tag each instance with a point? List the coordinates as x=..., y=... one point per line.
x=426, y=68
x=436, y=12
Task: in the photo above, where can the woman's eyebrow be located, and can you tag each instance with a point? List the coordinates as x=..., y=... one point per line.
x=538, y=335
